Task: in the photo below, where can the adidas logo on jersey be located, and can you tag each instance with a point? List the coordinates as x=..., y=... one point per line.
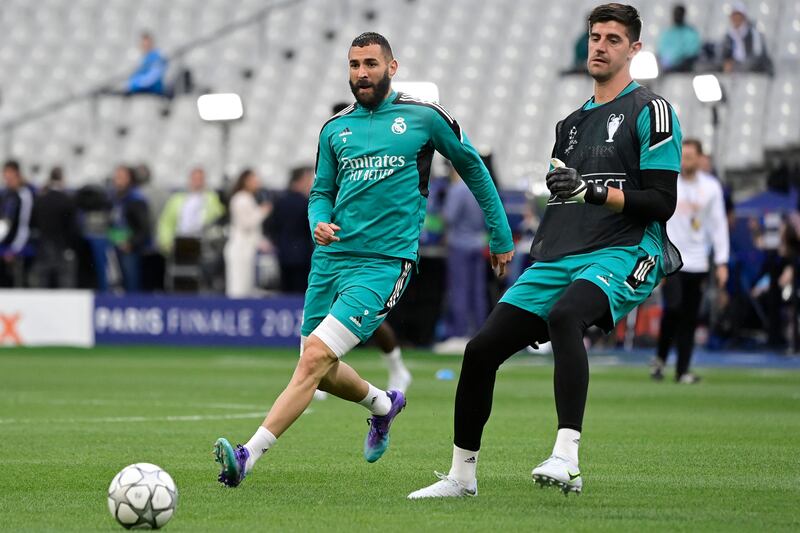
x=343, y=135
x=356, y=320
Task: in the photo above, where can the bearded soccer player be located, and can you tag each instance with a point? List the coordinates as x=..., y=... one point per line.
x=366, y=210
x=599, y=252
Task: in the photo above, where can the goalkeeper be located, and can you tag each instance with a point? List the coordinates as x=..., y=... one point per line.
x=599, y=252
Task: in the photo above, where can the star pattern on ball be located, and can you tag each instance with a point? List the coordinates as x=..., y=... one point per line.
x=118, y=494
x=151, y=480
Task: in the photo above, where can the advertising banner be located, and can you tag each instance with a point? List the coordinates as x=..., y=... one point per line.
x=46, y=318
x=198, y=321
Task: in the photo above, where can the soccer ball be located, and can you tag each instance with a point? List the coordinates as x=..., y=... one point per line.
x=142, y=496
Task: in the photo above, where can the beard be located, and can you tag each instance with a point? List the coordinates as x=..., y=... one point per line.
x=601, y=75
x=379, y=91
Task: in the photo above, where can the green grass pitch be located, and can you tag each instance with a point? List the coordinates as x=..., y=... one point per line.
x=719, y=456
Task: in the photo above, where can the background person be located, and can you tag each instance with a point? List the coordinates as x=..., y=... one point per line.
x=245, y=236
x=698, y=225
x=130, y=230
x=56, y=221
x=16, y=209
x=744, y=48
x=287, y=228
x=187, y=213
x=679, y=45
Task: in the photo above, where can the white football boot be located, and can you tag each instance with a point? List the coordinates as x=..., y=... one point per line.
x=689, y=379
x=558, y=472
x=446, y=487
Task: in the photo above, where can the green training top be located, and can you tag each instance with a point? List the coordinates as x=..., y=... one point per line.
x=372, y=176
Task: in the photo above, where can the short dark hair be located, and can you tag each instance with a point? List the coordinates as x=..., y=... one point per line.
x=56, y=174
x=297, y=173
x=370, y=37
x=624, y=14
x=694, y=142
x=11, y=164
x=679, y=14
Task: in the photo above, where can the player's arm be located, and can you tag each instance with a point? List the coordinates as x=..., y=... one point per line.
x=654, y=202
x=720, y=237
x=452, y=142
x=323, y=194
x=660, y=156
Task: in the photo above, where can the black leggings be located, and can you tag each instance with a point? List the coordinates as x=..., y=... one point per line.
x=508, y=330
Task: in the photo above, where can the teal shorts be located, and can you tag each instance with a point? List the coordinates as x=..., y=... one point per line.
x=626, y=274
x=358, y=291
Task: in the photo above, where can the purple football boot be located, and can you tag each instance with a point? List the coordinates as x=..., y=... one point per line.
x=233, y=461
x=378, y=437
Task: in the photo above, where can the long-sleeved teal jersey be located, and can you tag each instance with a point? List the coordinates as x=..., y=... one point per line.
x=372, y=177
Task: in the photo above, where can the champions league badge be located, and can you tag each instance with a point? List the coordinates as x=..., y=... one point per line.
x=612, y=125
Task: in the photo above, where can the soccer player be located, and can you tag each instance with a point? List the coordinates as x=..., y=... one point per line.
x=386, y=339
x=600, y=250
x=365, y=211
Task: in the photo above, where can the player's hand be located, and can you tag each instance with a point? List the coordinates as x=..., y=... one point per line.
x=324, y=233
x=567, y=184
x=722, y=276
x=499, y=262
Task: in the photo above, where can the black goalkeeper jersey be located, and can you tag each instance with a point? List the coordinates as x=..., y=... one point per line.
x=604, y=144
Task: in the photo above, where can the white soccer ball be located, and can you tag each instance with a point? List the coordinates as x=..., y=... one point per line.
x=142, y=496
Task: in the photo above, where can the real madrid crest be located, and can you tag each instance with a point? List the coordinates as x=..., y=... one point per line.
x=399, y=126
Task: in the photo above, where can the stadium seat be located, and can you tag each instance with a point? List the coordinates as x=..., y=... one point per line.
x=502, y=83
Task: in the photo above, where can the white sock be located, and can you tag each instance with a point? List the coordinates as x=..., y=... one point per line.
x=567, y=441
x=465, y=463
x=377, y=401
x=261, y=441
x=394, y=360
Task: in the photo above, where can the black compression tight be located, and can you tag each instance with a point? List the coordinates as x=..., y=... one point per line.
x=582, y=305
x=508, y=330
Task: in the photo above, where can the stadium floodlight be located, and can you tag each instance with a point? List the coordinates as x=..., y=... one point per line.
x=707, y=88
x=424, y=90
x=222, y=109
x=219, y=107
x=644, y=66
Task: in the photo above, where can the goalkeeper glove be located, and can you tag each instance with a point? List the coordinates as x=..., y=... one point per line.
x=567, y=184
